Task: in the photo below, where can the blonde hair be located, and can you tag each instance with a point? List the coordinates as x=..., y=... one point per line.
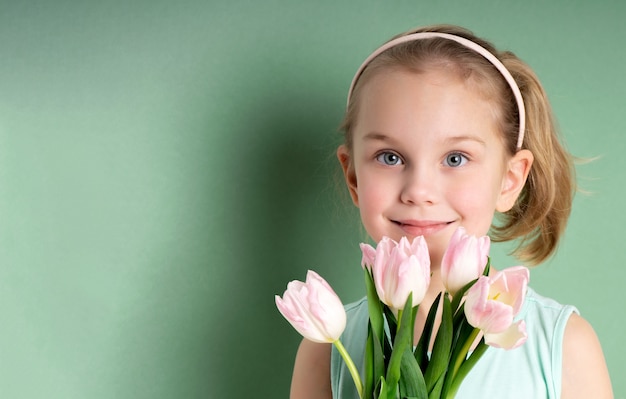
x=539, y=216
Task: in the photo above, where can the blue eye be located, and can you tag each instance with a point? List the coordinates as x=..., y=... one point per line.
x=455, y=159
x=389, y=158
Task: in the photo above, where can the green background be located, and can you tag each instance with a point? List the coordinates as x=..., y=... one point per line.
x=167, y=167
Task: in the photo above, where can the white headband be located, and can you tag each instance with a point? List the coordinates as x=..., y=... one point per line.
x=467, y=43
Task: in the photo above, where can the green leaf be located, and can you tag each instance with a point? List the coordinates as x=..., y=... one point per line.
x=441, y=350
x=421, y=351
x=463, y=331
x=435, y=393
x=413, y=317
x=374, y=307
x=459, y=317
x=383, y=394
x=374, y=363
x=412, y=384
x=400, y=344
x=387, y=351
x=391, y=321
x=369, y=363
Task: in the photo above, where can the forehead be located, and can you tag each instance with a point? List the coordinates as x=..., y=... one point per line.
x=438, y=99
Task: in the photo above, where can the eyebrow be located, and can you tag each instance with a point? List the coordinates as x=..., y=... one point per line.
x=456, y=139
x=377, y=136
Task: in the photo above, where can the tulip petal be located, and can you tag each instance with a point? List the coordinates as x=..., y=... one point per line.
x=481, y=312
x=313, y=309
x=511, y=338
x=369, y=254
x=290, y=309
x=493, y=302
x=464, y=260
x=401, y=268
x=515, y=281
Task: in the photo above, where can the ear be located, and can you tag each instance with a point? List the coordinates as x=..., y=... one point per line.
x=514, y=179
x=345, y=159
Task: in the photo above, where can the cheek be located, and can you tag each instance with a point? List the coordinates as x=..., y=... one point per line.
x=476, y=201
x=472, y=202
x=371, y=198
x=374, y=199
x=373, y=188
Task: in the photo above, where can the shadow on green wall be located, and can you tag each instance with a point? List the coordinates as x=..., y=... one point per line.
x=277, y=208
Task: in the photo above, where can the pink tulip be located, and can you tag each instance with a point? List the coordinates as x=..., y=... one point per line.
x=369, y=254
x=464, y=260
x=399, y=269
x=313, y=309
x=492, y=304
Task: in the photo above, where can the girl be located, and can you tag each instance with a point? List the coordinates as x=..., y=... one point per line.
x=442, y=131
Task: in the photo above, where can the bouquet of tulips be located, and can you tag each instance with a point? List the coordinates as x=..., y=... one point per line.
x=478, y=309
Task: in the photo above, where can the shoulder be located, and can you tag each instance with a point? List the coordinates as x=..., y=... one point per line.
x=585, y=374
x=311, y=372
x=575, y=347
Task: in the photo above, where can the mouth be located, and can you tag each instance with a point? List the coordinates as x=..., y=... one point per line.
x=421, y=227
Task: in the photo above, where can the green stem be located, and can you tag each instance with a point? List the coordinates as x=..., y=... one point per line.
x=467, y=345
x=466, y=367
x=350, y=364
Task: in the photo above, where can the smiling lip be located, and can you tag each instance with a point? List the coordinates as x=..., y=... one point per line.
x=421, y=227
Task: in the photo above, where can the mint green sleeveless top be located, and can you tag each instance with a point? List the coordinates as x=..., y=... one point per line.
x=532, y=370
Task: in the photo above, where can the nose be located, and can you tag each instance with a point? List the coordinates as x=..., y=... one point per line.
x=419, y=186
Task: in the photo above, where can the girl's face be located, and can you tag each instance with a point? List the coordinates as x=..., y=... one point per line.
x=427, y=157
